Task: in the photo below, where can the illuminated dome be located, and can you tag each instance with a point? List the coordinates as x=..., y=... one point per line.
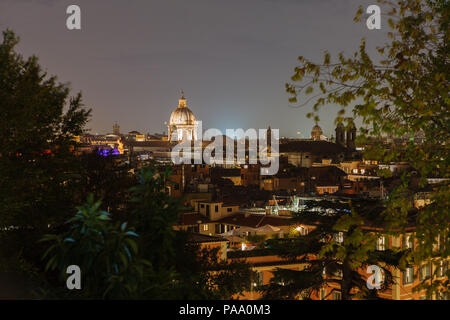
x=182, y=115
x=316, y=132
x=182, y=122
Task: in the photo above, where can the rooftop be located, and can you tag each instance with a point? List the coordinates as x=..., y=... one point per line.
x=310, y=146
x=256, y=220
x=203, y=238
x=192, y=218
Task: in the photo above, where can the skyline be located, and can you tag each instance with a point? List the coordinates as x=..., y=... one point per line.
x=232, y=59
x=221, y=210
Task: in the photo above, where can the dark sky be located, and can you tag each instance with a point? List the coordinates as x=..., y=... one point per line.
x=231, y=57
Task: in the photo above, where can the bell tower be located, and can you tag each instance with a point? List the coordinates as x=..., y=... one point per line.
x=351, y=136
x=340, y=135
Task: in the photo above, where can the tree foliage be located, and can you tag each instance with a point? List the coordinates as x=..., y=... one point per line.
x=400, y=92
x=106, y=252
x=39, y=121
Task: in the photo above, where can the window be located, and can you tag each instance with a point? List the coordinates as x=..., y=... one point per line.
x=336, y=296
x=322, y=294
x=424, y=272
x=408, y=242
x=205, y=227
x=437, y=245
x=300, y=230
x=202, y=205
x=339, y=237
x=381, y=243
x=408, y=275
x=217, y=208
x=229, y=209
x=260, y=279
x=442, y=269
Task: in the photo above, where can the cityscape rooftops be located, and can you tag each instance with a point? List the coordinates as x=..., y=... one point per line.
x=310, y=146
x=255, y=220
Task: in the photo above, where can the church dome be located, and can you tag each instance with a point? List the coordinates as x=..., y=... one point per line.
x=182, y=115
x=316, y=132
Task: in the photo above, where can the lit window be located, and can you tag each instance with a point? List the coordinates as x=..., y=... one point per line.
x=408, y=242
x=442, y=270
x=381, y=243
x=408, y=275
x=437, y=245
x=339, y=237
x=260, y=278
x=302, y=230
x=424, y=272
x=322, y=294
x=205, y=227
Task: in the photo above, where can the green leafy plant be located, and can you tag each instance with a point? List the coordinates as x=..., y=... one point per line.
x=106, y=252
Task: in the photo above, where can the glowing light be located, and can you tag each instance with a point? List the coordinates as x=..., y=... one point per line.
x=106, y=152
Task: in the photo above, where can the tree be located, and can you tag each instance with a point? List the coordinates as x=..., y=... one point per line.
x=38, y=123
x=107, y=179
x=405, y=93
x=154, y=213
x=36, y=139
x=336, y=252
x=116, y=262
x=106, y=253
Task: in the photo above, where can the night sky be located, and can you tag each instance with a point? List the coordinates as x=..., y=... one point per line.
x=232, y=58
